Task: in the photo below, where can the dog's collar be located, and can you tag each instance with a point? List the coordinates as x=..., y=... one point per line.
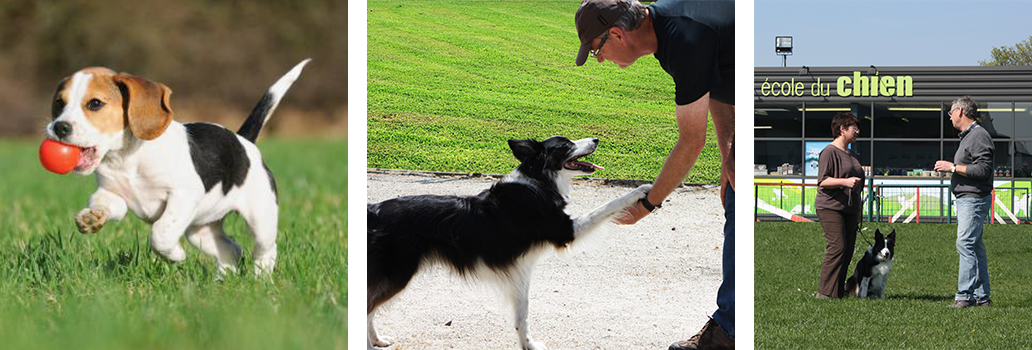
x=648, y=206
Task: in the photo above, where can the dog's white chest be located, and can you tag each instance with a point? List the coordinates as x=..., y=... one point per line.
x=882, y=270
x=144, y=197
x=879, y=277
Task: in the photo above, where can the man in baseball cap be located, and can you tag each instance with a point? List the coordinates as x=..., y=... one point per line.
x=694, y=43
x=594, y=18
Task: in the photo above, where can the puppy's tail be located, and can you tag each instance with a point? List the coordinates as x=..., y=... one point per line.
x=263, y=110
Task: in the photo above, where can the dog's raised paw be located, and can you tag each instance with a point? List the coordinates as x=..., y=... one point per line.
x=535, y=346
x=643, y=190
x=91, y=220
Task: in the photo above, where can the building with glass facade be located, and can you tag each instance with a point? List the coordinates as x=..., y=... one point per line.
x=903, y=119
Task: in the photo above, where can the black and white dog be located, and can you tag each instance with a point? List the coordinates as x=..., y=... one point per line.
x=496, y=235
x=872, y=271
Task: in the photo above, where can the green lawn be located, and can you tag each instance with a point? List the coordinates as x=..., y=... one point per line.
x=914, y=313
x=63, y=290
x=450, y=81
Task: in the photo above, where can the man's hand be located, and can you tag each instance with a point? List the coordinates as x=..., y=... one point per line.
x=632, y=214
x=943, y=166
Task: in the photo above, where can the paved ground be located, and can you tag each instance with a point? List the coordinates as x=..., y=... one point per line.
x=638, y=287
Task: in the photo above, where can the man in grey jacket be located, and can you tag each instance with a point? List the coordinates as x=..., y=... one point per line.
x=972, y=184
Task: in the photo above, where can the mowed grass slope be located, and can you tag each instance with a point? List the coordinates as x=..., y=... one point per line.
x=450, y=81
x=63, y=290
x=914, y=313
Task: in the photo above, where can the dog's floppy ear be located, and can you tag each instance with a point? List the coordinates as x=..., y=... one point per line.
x=892, y=235
x=145, y=104
x=525, y=149
x=877, y=235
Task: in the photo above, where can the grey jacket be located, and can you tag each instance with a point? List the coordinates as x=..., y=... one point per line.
x=977, y=152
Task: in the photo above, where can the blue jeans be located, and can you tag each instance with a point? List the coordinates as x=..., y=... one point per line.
x=973, y=276
x=725, y=314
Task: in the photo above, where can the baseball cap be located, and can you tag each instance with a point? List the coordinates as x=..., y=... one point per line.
x=593, y=18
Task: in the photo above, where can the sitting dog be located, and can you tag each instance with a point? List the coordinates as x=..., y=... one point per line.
x=180, y=178
x=872, y=271
x=496, y=235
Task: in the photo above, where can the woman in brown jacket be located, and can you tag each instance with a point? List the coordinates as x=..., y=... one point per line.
x=840, y=179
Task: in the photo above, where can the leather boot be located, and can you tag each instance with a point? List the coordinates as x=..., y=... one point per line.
x=710, y=337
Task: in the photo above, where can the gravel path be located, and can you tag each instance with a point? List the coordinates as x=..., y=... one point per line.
x=638, y=287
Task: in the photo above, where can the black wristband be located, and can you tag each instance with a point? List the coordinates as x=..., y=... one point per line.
x=648, y=206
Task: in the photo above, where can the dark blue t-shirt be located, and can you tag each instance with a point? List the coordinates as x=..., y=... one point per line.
x=696, y=46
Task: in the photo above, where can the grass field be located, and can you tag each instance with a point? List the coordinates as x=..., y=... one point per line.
x=63, y=290
x=450, y=81
x=914, y=313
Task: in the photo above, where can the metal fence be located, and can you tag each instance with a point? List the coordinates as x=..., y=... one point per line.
x=888, y=203
x=913, y=203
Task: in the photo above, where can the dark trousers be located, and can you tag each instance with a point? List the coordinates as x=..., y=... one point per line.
x=840, y=232
x=725, y=314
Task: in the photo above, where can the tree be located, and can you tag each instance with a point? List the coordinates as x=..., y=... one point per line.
x=1019, y=55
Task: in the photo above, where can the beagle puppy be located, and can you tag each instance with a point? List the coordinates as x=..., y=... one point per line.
x=183, y=179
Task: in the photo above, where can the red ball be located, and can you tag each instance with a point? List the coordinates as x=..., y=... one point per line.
x=58, y=157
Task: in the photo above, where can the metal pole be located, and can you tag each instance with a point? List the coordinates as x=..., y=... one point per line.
x=781, y=201
x=949, y=207
x=917, y=197
x=756, y=203
x=870, y=197
x=940, y=201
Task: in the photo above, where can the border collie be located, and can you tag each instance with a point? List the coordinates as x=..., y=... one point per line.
x=872, y=271
x=497, y=235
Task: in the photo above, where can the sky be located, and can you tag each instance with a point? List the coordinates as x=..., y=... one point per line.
x=888, y=33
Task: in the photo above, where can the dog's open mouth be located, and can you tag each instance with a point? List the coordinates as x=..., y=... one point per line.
x=574, y=164
x=87, y=159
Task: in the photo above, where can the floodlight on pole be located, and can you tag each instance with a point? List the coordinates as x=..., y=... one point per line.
x=783, y=47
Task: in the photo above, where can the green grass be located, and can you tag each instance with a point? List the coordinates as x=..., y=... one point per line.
x=450, y=81
x=63, y=290
x=914, y=313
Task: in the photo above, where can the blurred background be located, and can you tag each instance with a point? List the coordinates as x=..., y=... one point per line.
x=218, y=57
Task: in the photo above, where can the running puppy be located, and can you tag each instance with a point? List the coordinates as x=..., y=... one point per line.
x=872, y=271
x=497, y=235
x=180, y=178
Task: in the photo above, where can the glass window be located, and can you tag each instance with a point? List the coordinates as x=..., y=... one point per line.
x=1023, y=159
x=908, y=119
x=1001, y=156
x=1023, y=120
x=774, y=154
x=863, y=151
x=949, y=149
x=919, y=155
x=862, y=111
x=814, y=149
x=819, y=115
x=778, y=120
x=995, y=117
x=1002, y=161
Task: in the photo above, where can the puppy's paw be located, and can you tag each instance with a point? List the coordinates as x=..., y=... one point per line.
x=90, y=220
x=535, y=346
x=382, y=342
